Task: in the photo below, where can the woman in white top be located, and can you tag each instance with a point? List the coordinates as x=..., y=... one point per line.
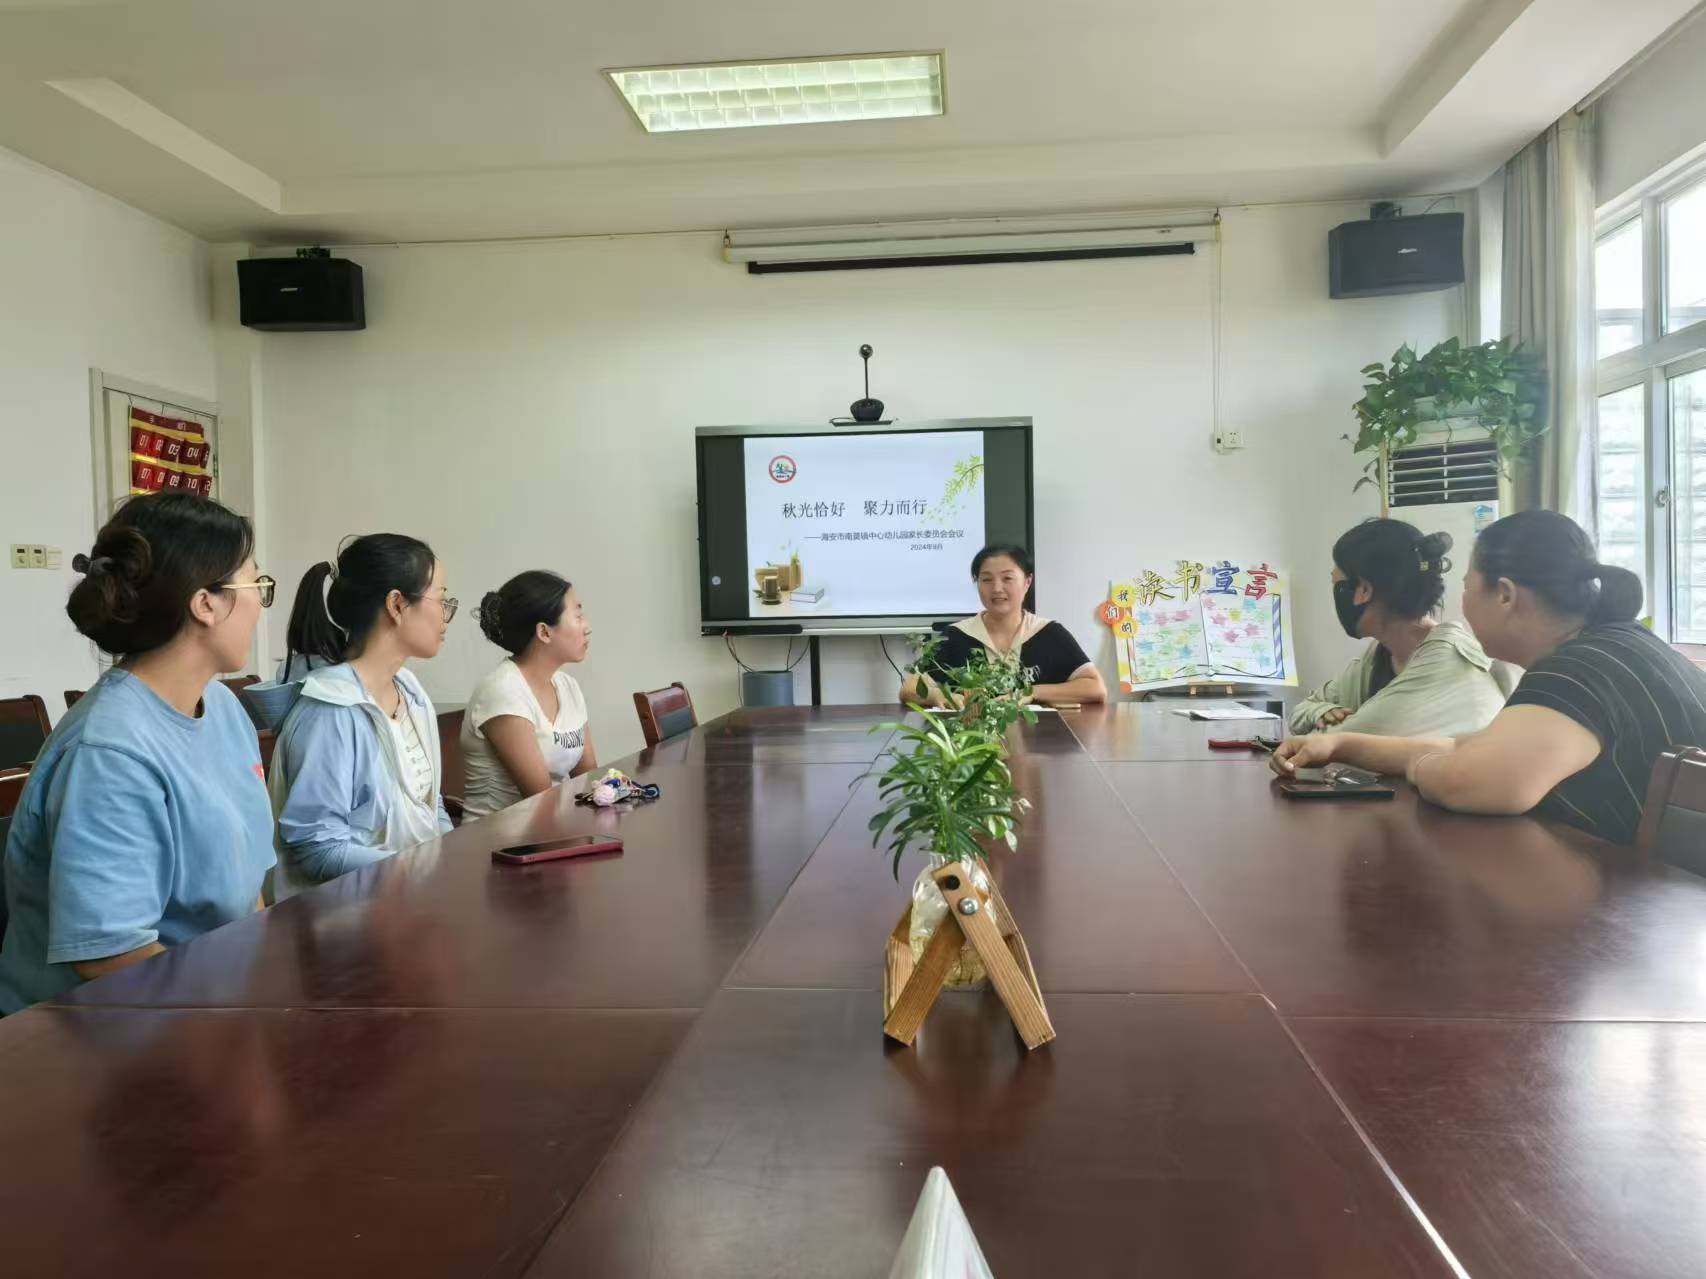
x=525, y=727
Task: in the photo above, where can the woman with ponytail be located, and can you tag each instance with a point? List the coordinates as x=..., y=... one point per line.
x=356, y=772
x=525, y=727
x=145, y=819
x=1419, y=677
x=1602, y=698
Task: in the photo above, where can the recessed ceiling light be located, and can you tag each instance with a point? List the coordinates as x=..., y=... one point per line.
x=740, y=95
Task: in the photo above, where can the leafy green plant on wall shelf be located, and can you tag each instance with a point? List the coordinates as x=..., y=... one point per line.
x=1496, y=385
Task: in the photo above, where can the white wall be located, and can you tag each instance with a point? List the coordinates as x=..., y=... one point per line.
x=84, y=282
x=1654, y=117
x=532, y=405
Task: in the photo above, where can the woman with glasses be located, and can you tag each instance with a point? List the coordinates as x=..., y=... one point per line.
x=356, y=772
x=145, y=820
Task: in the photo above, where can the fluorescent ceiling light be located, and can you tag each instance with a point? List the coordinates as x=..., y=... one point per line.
x=739, y=95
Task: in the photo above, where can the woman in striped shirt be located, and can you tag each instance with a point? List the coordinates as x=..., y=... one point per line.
x=1602, y=699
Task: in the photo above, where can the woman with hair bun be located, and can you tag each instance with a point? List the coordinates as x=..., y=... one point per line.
x=1420, y=677
x=145, y=819
x=1602, y=699
x=525, y=728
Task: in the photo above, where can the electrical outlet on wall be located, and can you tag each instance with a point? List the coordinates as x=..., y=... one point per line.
x=35, y=555
x=1228, y=441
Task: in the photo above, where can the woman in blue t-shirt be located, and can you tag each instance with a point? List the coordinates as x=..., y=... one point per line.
x=145, y=820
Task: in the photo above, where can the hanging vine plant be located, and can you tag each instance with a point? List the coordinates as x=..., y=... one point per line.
x=1496, y=385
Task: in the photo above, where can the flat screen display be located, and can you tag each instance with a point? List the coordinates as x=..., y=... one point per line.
x=855, y=526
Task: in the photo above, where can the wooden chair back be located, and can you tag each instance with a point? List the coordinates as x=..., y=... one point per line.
x=455, y=781
x=11, y=790
x=1673, y=823
x=665, y=713
x=24, y=726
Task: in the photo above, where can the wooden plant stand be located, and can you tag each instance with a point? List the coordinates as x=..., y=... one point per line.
x=910, y=990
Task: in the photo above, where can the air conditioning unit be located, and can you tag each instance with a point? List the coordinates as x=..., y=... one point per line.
x=1447, y=482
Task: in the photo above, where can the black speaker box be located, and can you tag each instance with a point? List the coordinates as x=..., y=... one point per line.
x=1395, y=255
x=299, y=294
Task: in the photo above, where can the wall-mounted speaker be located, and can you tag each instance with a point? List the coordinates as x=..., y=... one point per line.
x=1395, y=255
x=301, y=294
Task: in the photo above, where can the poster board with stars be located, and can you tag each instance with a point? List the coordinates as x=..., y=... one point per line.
x=1214, y=619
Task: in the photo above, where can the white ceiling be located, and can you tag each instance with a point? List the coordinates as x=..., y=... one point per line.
x=353, y=120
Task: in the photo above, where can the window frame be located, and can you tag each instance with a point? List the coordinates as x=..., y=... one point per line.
x=1652, y=363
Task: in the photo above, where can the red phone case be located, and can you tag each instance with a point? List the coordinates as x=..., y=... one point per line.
x=507, y=857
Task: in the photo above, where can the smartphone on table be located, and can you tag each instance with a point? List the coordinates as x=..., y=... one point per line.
x=550, y=850
x=1335, y=781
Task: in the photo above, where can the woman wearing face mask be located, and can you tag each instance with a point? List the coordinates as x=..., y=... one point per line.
x=356, y=771
x=1420, y=676
x=1601, y=699
x=525, y=727
x=145, y=821
x=1007, y=631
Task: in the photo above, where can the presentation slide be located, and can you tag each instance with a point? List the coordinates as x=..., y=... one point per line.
x=871, y=525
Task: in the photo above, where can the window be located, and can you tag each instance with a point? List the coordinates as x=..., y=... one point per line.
x=1688, y=506
x=1685, y=258
x=1622, y=515
x=1650, y=309
x=1617, y=287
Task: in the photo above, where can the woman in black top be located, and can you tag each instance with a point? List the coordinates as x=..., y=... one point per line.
x=1602, y=699
x=1006, y=629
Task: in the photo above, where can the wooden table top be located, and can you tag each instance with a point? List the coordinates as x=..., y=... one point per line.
x=1294, y=1039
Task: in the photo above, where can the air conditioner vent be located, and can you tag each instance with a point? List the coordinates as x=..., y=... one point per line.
x=1437, y=472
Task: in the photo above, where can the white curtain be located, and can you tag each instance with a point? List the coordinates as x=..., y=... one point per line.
x=1547, y=304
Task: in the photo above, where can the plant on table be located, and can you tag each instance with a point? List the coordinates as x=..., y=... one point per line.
x=945, y=786
x=992, y=691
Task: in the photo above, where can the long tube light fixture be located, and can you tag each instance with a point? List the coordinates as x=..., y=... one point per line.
x=967, y=242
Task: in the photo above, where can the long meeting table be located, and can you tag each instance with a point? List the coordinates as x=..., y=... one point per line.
x=1347, y=1039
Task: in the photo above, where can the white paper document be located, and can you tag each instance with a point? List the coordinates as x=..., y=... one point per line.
x=1228, y=710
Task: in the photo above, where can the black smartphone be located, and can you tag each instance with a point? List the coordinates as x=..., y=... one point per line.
x=1335, y=781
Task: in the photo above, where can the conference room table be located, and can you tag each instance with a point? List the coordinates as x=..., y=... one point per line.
x=1366, y=1038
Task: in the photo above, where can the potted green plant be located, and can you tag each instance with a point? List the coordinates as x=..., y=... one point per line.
x=945, y=786
x=1496, y=385
x=994, y=691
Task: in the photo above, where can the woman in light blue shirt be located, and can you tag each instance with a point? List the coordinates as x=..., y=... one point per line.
x=145, y=819
x=356, y=772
